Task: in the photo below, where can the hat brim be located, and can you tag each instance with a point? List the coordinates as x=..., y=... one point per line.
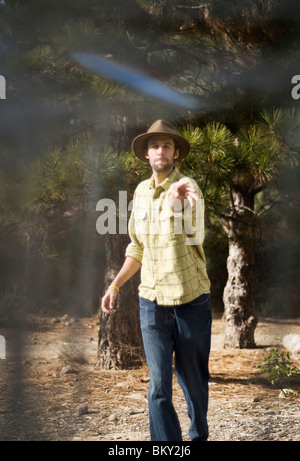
x=139, y=144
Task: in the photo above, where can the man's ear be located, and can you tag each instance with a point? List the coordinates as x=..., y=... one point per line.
x=146, y=154
x=176, y=155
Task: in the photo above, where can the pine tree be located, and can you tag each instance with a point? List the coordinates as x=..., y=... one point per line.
x=72, y=128
x=228, y=55
x=239, y=174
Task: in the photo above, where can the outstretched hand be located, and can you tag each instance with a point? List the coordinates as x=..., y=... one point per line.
x=183, y=190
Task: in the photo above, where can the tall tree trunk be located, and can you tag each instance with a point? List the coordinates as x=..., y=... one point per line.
x=239, y=306
x=120, y=344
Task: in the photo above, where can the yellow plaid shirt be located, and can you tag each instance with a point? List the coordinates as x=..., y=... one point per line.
x=168, y=244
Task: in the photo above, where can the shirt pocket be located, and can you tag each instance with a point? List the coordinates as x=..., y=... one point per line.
x=171, y=223
x=141, y=222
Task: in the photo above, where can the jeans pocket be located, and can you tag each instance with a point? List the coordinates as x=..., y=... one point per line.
x=147, y=313
x=201, y=300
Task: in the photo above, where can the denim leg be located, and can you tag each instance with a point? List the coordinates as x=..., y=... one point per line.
x=192, y=347
x=157, y=325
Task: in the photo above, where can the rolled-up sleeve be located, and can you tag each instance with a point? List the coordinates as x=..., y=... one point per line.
x=135, y=248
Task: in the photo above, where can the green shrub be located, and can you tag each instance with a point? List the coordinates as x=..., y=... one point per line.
x=278, y=367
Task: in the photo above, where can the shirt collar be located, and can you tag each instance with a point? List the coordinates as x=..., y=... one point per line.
x=167, y=182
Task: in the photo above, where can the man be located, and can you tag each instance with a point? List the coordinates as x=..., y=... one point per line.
x=167, y=229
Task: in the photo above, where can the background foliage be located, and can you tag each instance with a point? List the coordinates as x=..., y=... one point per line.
x=65, y=136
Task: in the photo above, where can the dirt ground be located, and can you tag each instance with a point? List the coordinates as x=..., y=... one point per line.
x=52, y=390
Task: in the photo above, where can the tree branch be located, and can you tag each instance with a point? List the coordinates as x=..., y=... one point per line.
x=259, y=189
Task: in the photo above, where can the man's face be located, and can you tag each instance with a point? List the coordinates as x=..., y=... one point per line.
x=161, y=153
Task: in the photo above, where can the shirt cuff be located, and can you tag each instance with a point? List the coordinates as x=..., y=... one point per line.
x=133, y=251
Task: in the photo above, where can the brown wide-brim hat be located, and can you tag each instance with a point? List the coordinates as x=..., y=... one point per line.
x=139, y=143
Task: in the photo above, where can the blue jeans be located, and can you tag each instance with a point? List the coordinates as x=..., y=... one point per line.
x=185, y=330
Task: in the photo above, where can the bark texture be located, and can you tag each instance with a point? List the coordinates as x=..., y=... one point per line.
x=239, y=306
x=120, y=343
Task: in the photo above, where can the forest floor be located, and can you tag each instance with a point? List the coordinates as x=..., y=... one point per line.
x=54, y=390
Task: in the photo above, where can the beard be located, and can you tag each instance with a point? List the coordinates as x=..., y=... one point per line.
x=160, y=167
